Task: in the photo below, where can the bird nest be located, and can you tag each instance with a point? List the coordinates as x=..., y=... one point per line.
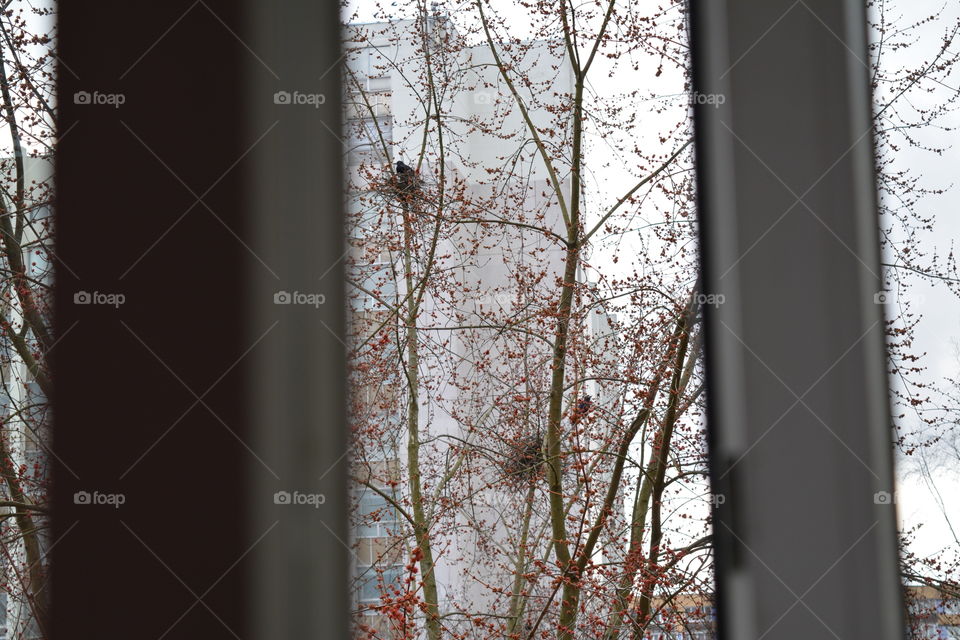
x=523, y=459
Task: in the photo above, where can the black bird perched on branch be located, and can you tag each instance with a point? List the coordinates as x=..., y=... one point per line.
x=406, y=177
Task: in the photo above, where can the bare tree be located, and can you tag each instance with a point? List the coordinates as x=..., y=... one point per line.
x=526, y=340
x=27, y=66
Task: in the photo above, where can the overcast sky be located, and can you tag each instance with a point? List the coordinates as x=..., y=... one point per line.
x=939, y=330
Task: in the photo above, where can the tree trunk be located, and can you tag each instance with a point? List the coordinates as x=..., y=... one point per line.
x=421, y=522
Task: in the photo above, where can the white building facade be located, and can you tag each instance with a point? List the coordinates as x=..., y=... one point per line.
x=484, y=220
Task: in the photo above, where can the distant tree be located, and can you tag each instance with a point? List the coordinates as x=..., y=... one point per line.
x=27, y=99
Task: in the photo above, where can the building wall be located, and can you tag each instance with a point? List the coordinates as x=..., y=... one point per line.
x=22, y=404
x=384, y=61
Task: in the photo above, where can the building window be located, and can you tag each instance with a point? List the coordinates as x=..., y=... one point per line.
x=368, y=585
x=369, y=104
x=376, y=517
x=378, y=288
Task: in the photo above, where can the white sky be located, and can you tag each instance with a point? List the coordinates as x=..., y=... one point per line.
x=939, y=330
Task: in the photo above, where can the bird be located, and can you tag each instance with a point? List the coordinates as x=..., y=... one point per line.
x=584, y=406
x=406, y=179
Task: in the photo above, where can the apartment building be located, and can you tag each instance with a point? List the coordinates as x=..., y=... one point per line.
x=932, y=614
x=685, y=616
x=387, y=94
x=24, y=411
